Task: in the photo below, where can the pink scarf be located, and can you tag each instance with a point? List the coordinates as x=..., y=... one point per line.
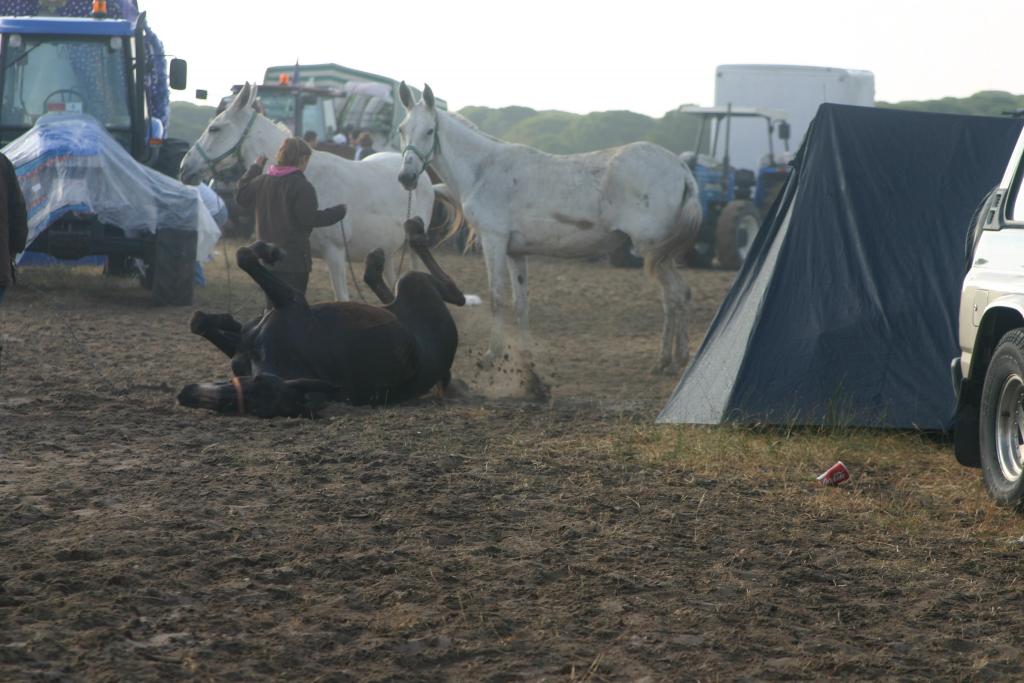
x=282, y=170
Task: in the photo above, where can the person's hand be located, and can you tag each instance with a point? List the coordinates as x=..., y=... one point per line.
x=339, y=211
x=261, y=160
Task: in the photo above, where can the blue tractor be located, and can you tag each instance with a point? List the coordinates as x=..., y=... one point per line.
x=734, y=200
x=107, y=69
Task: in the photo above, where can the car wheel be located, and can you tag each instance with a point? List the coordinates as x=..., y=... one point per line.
x=1002, y=421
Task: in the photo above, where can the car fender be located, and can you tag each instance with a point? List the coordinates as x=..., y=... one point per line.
x=1000, y=315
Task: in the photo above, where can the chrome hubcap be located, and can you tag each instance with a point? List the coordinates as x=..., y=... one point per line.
x=1010, y=428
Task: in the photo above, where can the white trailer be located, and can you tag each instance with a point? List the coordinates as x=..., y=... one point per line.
x=796, y=90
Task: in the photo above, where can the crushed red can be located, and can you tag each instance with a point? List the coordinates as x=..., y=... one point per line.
x=835, y=475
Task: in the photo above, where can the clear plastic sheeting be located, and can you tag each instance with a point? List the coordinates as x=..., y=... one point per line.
x=69, y=163
x=368, y=106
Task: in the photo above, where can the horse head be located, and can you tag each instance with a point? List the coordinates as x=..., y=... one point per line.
x=262, y=396
x=419, y=135
x=219, y=148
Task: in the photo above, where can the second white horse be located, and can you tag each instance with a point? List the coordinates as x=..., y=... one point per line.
x=522, y=201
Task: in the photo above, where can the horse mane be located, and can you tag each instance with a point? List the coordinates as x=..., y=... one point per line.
x=471, y=237
x=473, y=127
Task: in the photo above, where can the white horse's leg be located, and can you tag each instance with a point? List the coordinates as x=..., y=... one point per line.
x=675, y=342
x=338, y=266
x=496, y=260
x=518, y=273
x=682, y=349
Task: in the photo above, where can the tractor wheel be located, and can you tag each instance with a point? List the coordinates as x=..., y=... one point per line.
x=174, y=267
x=119, y=266
x=735, y=231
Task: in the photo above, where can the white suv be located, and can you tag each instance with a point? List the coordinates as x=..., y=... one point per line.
x=988, y=376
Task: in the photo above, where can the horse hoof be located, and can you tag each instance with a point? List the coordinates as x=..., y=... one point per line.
x=414, y=227
x=275, y=255
x=665, y=368
x=416, y=234
x=267, y=252
x=536, y=388
x=457, y=390
x=375, y=263
x=197, y=324
x=246, y=256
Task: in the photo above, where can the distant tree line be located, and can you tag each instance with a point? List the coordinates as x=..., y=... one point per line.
x=984, y=103
x=560, y=132
x=188, y=121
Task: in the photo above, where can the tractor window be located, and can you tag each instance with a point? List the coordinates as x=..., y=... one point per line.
x=280, y=107
x=83, y=76
x=313, y=119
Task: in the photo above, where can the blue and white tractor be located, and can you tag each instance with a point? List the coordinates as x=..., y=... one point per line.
x=83, y=117
x=734, y=200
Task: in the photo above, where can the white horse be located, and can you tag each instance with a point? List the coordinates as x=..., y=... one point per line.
x=377, y=206
x=522, y=201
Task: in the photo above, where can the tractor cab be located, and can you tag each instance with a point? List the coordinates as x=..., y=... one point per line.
x=80, y=65
x=733, y=200
x=84, y=102
x=301, y=108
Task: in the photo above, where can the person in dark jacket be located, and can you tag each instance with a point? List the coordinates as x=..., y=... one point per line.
x=285, y=206
x=13, y=223
x=364, y=146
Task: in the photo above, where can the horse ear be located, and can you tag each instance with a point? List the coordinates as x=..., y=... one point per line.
x=241, y=100
x=405, y=95
x=428, y=97
x=255, y=96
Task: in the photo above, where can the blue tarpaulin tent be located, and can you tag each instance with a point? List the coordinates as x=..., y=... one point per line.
x=846, y=309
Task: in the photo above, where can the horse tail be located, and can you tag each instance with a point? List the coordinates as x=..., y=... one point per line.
x=685, y=230
x=454, y=219
x=447, y=215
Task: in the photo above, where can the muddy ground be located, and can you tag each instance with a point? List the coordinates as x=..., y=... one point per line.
x=482, y=540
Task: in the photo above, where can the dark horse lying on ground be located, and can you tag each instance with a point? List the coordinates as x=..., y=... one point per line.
x=297, y=356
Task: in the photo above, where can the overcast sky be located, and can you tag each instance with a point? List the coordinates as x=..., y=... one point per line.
x=641, y=55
